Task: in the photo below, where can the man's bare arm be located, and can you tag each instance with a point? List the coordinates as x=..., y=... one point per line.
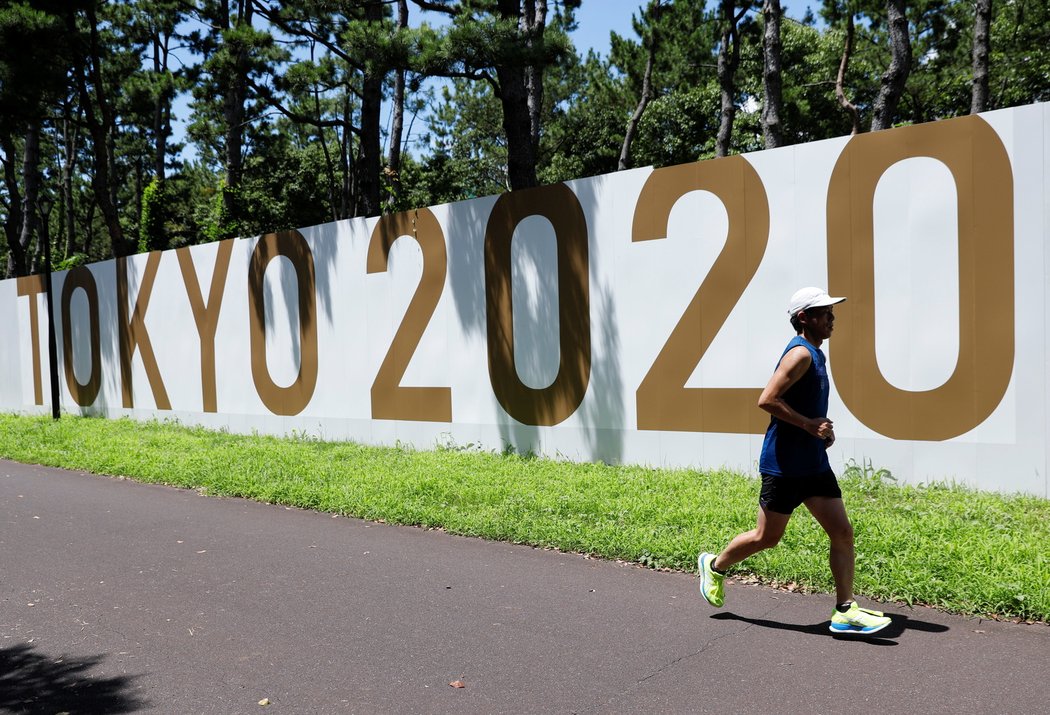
x=791, y=369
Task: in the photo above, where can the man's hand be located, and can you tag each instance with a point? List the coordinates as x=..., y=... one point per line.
x=823, y=428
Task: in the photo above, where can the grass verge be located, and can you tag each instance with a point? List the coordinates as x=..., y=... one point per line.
x=953, y=548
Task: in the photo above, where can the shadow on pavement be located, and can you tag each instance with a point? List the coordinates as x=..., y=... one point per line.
x=900, y=624
x=32, y=683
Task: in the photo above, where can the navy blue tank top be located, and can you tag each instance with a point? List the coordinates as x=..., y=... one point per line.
x=789, y=450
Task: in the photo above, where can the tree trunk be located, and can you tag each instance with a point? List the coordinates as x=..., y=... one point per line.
x=70, y=138
x=521, y=159
x=99, y=116
x=518, y=95
x=895, y=78
x=162, y=104
x=136, y=177
x=397, y=123
x=31, y=186
x=772, y=84
x=369, y=165
x=982, y=48
x=647, y=91
x=533, y=26
x=728, y=60
x=233, y=111
x=346, y=157
x=89, y=228
x=329, y=167
x=16, y=257
x=840, y=81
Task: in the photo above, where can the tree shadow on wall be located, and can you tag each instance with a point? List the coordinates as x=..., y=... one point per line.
x=603, y=410
x=32, y=683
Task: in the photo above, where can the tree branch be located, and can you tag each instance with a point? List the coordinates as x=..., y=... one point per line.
x=452, y=11
x=298, y=118
x=293, y=28
x=840, y=81
x=647, y=93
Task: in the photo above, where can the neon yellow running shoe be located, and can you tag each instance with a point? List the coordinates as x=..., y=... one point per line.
x=711, y=582
x=858, y=621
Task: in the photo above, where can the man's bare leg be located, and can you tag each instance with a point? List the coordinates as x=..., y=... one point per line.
x=766, y=534
x=830, y=513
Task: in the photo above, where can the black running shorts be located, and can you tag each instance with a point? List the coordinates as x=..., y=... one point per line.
x=784, y=494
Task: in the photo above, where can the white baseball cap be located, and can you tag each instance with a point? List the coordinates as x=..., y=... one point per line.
x=810, y=298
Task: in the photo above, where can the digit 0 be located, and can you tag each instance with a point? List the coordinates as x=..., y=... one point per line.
x=80, y=277
x=978, y=162
x=556, y=402
x=292, y=245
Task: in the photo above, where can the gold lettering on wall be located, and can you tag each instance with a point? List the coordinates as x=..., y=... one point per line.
x=32, y=286
x=663, y=401
x=978, y=162
x=83, y=394
x=391, y=401
x=556, y=402
x=292, y=245
x=133, y=334
x=206, y=315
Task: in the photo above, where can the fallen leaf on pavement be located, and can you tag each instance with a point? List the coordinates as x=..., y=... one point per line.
x=458, y=684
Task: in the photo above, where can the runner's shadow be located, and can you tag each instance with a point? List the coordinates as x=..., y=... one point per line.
x=32, y=683
x=900, y=624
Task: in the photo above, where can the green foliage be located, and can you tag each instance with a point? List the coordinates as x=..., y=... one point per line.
x=470, y=154
x=917, y=545
x=210, y=216
x=811, y=111
x=287, y=189
x=77, y=259
x=1020, y=63
x=152, y=232
x=436, y=180
x=679, y=127
x=34, y=55
x=865, y=477
x=586, y=143
x=586, y=137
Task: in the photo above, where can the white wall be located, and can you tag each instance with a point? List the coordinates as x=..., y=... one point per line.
x=938, y=364
x=11, y=390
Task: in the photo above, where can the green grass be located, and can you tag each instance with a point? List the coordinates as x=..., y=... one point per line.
x=953, y=548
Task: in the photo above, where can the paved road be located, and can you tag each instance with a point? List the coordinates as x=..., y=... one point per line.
x=122, y=597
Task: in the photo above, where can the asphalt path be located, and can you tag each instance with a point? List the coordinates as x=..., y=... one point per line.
x=123, y=597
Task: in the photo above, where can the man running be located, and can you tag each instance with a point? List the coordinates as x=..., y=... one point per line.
x=795, y=468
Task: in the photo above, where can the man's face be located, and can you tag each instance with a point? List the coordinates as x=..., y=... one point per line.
x=819, y=322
